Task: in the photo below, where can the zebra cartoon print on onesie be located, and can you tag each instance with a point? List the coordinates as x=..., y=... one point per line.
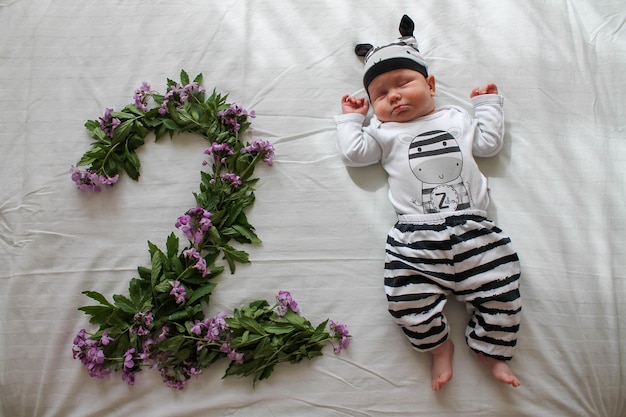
x=436, y=160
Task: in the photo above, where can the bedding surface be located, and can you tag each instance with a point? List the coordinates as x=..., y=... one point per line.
x=557, y=188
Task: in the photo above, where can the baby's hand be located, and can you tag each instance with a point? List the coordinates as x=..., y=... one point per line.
x=351, y=104
x=487, y=89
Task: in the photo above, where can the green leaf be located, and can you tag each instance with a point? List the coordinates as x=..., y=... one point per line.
x=133, y=109
x=215, y=235
x=124, y=304
x=172, y=245
x=122, y=115
x=137, y=294
x=171, y=344
x=157, y=267
x=184, y=77
x=252, y=325
x=144, y=273
x=248, y=233
x=134, y=142
x=170, y=124
x=163, y=286
x=92, y=124
x=282, y=328
x=297, y=320
x=99, y=314
x=120, y=133
x=233, y=255
x=98, y=297
x=131, y=165
x=201, y=292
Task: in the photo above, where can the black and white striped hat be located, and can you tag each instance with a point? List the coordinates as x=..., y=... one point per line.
x=402, y=53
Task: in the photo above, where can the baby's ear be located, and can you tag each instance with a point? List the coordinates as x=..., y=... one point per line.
x=406, y=26
x=362, y=49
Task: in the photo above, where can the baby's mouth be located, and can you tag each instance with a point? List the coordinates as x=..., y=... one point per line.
x=399, y=108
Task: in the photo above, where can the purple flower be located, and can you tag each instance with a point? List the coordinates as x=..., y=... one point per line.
x=340, y=332
x=178, y=291
x=128, y=374
x=188, y=91
x=200, y=264
x=89, y=353
x=173, y=379
x=197, y=328
x=195, y=372
x=234, y=116
x=105, y=339
x=219, y=151
x=142, y=323
x=141, y=96
x=194, y=224
x=146, y=351
x=211, y=328
x=109, y=123
x=286, y=302
x=90, y=181
x=163, y=335
x=179, y=95
x=262, y=147
x=215, y=326
x=232, y=179
x=232, y=353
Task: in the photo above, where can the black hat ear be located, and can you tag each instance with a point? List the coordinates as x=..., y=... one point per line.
x=362, y=49
x=406, y=26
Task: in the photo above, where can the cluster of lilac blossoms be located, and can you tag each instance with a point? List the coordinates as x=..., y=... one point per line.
x=142, y=94
x=178, y=292
x=179, y=95
x=90, y=353
x=194, y=224
x=128, y=368
x=90, y=181
x=286, y=302
x=219, y=152
x=215, y=329
x=200, y=262
x=232, y=179
x=340, y=332
x=233, y=116
x=109, y=123
x=142, y=322
x=261, y=146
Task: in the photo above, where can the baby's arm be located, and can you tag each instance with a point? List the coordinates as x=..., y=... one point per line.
x=351, y=104
x=356, y=147
x=489, y=118
x=486, y=89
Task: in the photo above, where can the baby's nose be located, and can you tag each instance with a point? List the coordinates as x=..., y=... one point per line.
x=394, y=96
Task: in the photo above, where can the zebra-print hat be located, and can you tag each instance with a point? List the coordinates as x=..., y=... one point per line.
x=402, y=53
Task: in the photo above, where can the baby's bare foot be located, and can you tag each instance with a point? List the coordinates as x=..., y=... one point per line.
x=442, y=364
x=500, y=370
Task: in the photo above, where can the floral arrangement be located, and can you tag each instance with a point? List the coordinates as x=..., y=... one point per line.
x=161, y=322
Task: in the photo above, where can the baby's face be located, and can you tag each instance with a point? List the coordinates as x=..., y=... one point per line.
x=402, y=95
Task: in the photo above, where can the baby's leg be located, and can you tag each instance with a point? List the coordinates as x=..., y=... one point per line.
x=428, y=333
x=500, y=370
x=442, y=364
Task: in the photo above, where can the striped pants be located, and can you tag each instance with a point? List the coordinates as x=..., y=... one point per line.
x=467, y=256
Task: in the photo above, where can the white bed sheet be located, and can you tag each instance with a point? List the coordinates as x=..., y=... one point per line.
x=557, y=189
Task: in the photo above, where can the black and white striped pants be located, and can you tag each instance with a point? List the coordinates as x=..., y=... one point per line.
x=465, y=255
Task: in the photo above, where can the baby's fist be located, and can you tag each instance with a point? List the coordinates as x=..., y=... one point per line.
x=487, y=89
x=351, y=104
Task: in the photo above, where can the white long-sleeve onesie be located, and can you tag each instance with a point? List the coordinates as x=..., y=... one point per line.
x=430, y=160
